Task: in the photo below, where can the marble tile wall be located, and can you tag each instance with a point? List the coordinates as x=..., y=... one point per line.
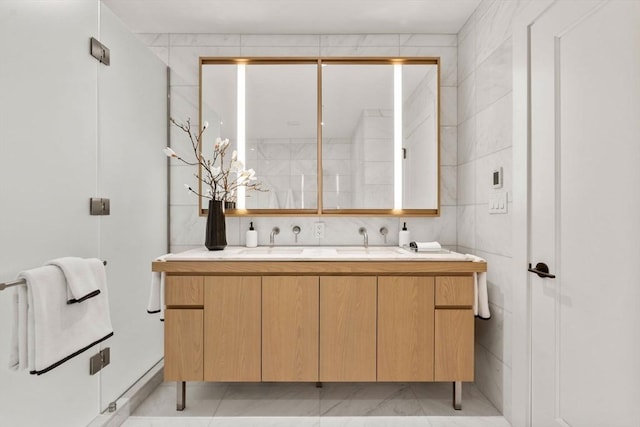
x=485, y=110
x=181, y=53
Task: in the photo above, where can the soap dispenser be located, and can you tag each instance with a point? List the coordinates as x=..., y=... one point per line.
x=252, y=237
x=404, y=236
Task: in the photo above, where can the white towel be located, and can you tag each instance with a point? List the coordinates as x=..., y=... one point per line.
x=156, y=294
x=53, y=331
x=481, y=299
x=425, y=246
x=82, y=275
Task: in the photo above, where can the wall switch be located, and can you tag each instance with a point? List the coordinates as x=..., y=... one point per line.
x=498, y=203
x=318, y=230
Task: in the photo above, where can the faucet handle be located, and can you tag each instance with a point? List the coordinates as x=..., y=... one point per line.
x=384, y=231
x=362, y=230
x=296, y=231
x=275, y=230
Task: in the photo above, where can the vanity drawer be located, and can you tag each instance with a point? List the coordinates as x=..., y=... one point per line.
x=184, y=291
x=454, y=291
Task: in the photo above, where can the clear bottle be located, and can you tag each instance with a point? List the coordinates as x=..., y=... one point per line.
x=252, y=237
x=404, y=237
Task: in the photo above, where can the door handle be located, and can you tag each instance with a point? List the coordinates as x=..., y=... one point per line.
x=542, y=270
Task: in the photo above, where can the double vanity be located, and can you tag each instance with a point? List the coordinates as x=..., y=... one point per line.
x=318, y=314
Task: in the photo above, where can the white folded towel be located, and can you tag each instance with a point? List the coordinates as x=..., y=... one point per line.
x=481, y=301
x=82, y=277
x=52, y=330
x=425, y=246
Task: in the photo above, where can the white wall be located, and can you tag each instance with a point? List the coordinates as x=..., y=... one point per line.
x=181, y=53
x=485, y=110
x=60, y=147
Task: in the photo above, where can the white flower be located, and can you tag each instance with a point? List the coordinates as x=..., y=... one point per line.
x=236, y=166
x=205, y=125
x=189, y=190
x=234, y=155
x=169, y=152
x=252, y=175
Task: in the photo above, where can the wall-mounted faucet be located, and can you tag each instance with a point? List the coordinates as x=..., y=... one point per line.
x=363, y=232
x=384, y=231
x=296, y=231
x=274, y=231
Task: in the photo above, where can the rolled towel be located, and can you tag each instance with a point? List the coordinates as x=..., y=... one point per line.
x=156, y=291
x=425, y=246
x=83, y=277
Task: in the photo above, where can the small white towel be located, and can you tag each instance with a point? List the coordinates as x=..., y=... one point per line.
x=52, y=331
x=481, y=300
x=425, y=246
x=156, y=294
x=82, y=277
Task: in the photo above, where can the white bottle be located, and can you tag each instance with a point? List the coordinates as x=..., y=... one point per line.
x=252, y=237
x=404, y=237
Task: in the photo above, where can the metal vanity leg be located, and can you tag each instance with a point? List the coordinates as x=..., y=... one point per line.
x=457, y=395
x=182, y=395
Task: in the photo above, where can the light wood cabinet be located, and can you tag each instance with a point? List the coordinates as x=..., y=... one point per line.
x=290, y=327
x=319, y=322
x=405, y=328
x=454, y=357
x=347, y=328
x=232, y=319
x=183, y=344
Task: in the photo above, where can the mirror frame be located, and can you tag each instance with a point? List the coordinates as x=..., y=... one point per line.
x=320, y=211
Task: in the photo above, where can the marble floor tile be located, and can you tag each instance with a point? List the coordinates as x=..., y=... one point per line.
x=202, y=400
x=436, y=399
x=497, y=421
x=166, y=422
x=270, y=399
x=368, y=399
x=374, y=422
x=265, y=422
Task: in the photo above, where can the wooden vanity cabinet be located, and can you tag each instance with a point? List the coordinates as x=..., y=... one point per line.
x=232, y=328
x=183, y=328
x=454, y=329
x=290, y=328
x=405, y=328
x=348, y=328
x=327, y=322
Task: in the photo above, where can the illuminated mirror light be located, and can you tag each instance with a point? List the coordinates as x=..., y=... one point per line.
x=241, y=143
x=397, y=136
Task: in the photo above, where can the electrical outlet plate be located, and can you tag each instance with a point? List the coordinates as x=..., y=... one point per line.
x=318, y=230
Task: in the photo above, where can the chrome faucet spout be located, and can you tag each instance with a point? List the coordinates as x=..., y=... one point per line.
x=274, y=231
x=363, y=232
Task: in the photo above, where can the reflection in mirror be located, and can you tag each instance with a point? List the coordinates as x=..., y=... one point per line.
x=420, y=137
x=281, y=123
x=380, y=136
x=357, y=136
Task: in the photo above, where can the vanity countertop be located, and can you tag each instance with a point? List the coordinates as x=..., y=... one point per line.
x=314, y=253
x=316, y=260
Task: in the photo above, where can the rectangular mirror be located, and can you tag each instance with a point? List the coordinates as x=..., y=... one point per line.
x=368, y=127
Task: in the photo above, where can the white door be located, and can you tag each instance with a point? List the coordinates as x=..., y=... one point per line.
x=585, y=214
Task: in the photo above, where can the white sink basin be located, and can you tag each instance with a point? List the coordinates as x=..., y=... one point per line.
x=272, y=251
x=379, y=250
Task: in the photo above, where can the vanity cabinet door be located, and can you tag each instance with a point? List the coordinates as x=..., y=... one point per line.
x=348, y=328
x=454, y=345
x=232, y=316
x=405, y=328
x=183, y=345
x=290, y=330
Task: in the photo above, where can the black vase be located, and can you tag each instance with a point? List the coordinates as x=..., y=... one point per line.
x=216, y=234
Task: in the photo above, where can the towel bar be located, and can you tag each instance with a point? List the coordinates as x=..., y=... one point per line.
x=5, y=285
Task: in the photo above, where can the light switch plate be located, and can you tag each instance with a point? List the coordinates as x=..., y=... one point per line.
x=498, y=203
